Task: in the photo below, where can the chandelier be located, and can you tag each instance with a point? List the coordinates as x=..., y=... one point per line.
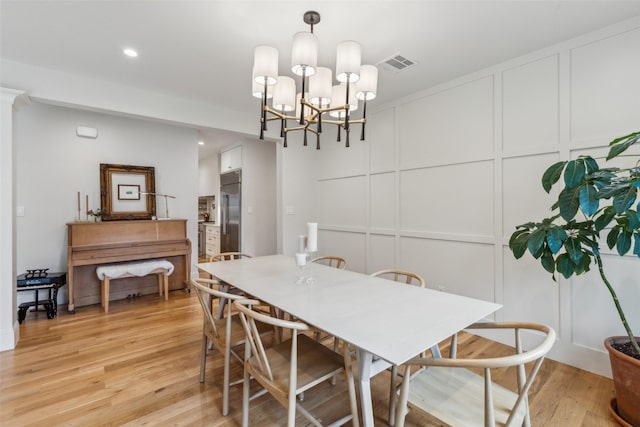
x=319, y=101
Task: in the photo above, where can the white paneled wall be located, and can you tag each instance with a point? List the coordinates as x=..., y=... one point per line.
x=454, y=266
x=446, y=175
x=343, y=201
x=604, y=87
x=349, y=245
x=452, y=199
x=382, y=190
x=381, y=128
x=530, y=119
x=451, y=125
x=381, y=252
x=517, y=186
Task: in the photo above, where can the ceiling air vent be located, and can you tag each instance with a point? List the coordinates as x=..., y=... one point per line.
x=397, y=63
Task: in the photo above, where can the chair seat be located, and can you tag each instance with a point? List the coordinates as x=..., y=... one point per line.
x=315, y=363
x=237, y=330
x=455, y=396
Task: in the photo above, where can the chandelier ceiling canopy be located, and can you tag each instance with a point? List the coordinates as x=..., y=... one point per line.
x=319, y=100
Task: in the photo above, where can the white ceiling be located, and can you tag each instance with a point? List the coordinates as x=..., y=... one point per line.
x=204, y=49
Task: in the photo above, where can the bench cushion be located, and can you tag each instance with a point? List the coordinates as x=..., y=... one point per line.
x=135, y=268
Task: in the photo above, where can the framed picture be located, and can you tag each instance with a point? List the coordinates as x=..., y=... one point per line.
x=127, y=192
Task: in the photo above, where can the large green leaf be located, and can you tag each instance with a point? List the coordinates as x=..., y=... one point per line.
x=605, y=218
x=615, y=188
x=574, y=249
x=536, y=242
x=569, y=202
x=574, y=173
x=552, y=175
x=583, y=265
x=623, y=243
x=624, y=201
x=548, y=262
x=564, y=265
x=555, y=238
x=619, y=145
x=589, y=202
x=612, y=237
x=591, y=164
x=519, y=244
x=634, y=219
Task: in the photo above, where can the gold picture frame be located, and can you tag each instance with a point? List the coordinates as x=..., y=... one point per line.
x=113, y=178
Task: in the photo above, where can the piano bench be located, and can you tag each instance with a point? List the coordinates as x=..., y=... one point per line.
x=106, y=273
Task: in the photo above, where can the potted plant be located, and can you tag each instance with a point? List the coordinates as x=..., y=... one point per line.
x=594, y=201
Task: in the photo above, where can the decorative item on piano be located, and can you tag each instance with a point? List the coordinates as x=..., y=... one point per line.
x=36, y=273
x=96, y=214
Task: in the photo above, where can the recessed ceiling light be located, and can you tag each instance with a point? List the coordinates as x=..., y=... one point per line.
x=130, y=52
x=200, y=142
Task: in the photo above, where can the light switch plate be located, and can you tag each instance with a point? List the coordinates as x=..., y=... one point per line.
x=289, y=210
x=20, y=211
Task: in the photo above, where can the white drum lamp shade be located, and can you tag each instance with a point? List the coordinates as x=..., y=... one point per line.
x=284, y=94
x=367, y=86
x=348, y=62
x=265, y=65
x=257, y=89
x=338, y=98
x=320, y=87
x=304, y=54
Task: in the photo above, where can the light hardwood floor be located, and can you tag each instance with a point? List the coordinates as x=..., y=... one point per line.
x=139, y=365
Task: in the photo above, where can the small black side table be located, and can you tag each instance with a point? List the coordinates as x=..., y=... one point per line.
x=37, y=282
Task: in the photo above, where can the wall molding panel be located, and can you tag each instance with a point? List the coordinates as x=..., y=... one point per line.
x=450, y=171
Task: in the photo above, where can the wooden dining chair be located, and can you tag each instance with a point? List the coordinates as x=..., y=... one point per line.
x=291, y=367
x=332, y=261
x=401, y=276
x=337, y=262
x=226, y=287
x=409, y=278
x=225, y=335
x=228, y=256
x=450, y=390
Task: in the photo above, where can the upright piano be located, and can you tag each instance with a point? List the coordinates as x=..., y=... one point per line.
x=91, y=244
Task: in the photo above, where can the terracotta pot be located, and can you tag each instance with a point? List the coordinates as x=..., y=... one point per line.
x=626, y=378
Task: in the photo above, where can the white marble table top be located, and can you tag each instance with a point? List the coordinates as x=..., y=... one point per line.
x=391, y=320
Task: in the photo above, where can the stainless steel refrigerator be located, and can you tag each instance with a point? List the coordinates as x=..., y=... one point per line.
x=230, y=191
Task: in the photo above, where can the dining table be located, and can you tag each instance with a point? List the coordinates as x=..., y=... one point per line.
x=386, y=322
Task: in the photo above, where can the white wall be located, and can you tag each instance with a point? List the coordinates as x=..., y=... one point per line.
x=54, y=164
x=447, y=174
x=298, y=196
x=258, y=235
x=9, y=331
x=209, y=176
